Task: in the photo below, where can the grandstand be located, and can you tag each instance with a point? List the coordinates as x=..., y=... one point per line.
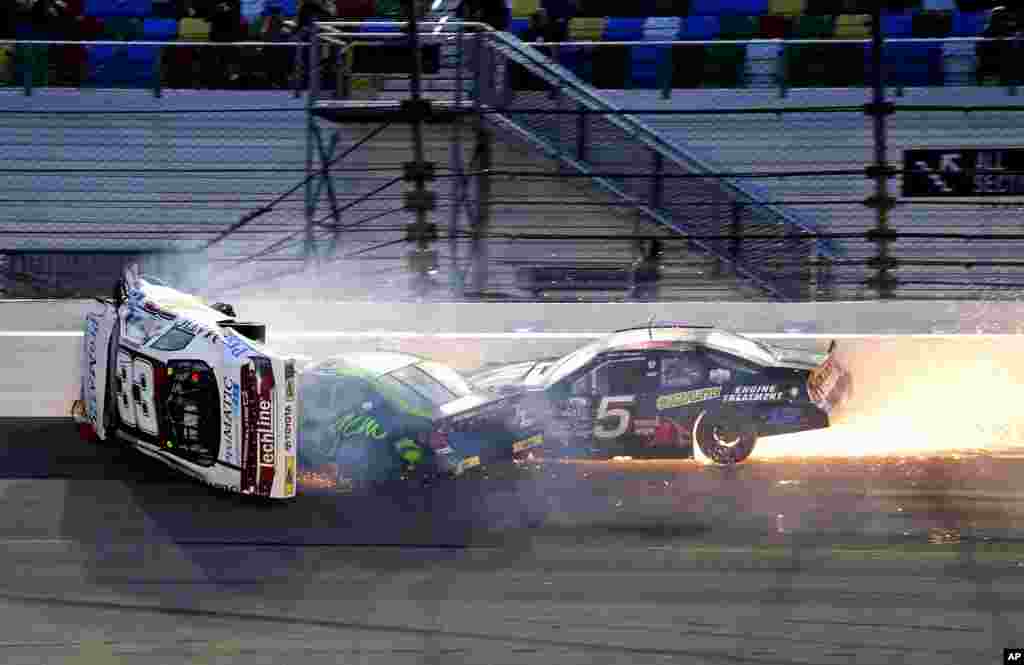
x=700, y=58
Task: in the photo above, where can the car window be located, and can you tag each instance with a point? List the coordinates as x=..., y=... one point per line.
x=682, y=370
x=393, y=388
x=418, y=388
x=447, y=377
x=719, y=360
x=627, y=376
x=141, y=326
x=571, y=363
x=174, y=339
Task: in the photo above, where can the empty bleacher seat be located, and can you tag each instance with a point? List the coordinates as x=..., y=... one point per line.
x=524, y=8
x=959, y=63
x=109, y=8
x=662, y=28
x=367, y=27
x=913, y=64
x=763, y=64
x=968, y=24
x=283, y=7
x=645, y=64
x=624, y=30
x=853, y=26
x=519, y=26
x=787, y=7
x=193, y=30
x=121, y=66
x=587, y=29
x=700, y=28
x=899, y=24
x=724, y=7
x=159, y=29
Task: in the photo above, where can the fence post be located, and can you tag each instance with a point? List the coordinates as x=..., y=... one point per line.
x=29, y=71
x=782, y=71
x=883, y=282
x=158, y=73
x=667, y=74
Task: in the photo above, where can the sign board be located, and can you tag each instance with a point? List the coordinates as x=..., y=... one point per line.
x=963, y=172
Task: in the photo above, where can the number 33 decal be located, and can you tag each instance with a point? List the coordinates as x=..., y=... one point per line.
x=604, y=411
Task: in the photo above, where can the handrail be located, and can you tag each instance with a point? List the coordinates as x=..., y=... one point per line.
x=631, y=124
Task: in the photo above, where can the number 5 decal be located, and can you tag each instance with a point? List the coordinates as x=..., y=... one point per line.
x=604, y=412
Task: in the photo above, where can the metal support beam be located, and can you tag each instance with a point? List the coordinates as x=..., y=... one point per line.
x=482, y=209
x=883, y=282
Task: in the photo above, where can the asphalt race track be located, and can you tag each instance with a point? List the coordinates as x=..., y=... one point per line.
x=111, y=558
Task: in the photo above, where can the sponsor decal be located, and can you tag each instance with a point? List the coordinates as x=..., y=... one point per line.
x=265, y=431
x=768, y=393
x=91, y=331
x=525, y=444
x=235, y=346
x=231, y=404
x=289, y=427
x=289, y=380
x=676, y=400
x=468, y=463
x=289, y=475
x=356, y=424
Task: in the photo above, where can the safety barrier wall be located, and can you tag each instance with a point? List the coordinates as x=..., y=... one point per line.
x=40, y=342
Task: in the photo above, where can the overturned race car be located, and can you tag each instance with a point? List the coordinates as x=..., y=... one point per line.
x=188, y=384
x=672, y=391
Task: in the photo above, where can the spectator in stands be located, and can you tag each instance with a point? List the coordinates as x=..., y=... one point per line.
x=998, y=61
x=492, y=12
x=225, y=18
x=310, y=12
x=276, y=59
x=543, y=29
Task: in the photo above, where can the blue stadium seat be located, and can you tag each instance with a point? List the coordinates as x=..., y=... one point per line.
x=662, y=28
x=623, y=30
x=724, y=7
x=558, y=8
x=287, y=7
x=917, y=64
x=898, y=24
x=968, y=24
x=159, y=29
x=700, y=28
x=110, y=8
x=519, y=26
x=645, y=62
x=121, y=67
x=939, y=5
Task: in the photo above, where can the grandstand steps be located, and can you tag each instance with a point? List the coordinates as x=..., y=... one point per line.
x=175, y=180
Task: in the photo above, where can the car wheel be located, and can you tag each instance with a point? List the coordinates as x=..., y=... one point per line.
x=725, y=438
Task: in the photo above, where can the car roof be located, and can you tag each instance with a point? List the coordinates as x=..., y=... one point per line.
x=378, y=363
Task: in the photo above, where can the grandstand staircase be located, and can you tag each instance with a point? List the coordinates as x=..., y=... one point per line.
x=668, y=187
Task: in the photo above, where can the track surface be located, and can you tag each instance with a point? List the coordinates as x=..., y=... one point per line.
x=111, y=558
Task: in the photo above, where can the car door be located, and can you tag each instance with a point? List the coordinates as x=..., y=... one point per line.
x=135, y=374
x=603, y=399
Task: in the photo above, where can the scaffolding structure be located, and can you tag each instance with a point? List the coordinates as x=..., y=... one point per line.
x=330, y=108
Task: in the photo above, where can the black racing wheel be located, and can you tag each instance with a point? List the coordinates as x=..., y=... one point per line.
x=724, y=437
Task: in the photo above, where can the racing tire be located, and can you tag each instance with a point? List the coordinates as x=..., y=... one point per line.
x=725, y=438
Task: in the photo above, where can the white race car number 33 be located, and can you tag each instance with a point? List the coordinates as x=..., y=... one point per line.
x=610, y=407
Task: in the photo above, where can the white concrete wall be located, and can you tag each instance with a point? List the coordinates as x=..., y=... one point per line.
x=40, y=346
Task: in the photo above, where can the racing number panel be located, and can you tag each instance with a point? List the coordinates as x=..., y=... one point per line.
x=136, y=402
